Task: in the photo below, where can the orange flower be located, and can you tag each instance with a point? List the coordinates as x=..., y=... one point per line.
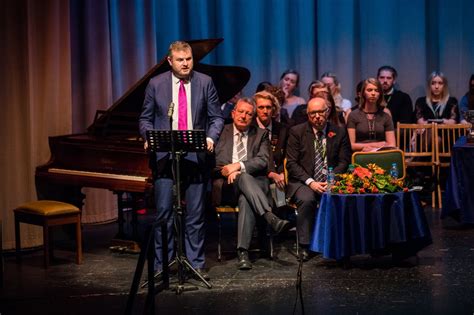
x=374, y=190
x=379, y=171
x=362, y=172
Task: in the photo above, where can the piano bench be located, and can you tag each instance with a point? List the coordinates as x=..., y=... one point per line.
x=48, y=213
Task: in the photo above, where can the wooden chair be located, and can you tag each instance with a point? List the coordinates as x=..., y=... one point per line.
x=446, y=136
x=384, y=159
x=47, y=213
x=224, y=209
x=417, y=143
x=219, y=211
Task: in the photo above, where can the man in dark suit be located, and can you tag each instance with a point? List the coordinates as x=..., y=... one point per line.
x=197, y=108
x=398, y=102
x=312, y=148
x=242, y=155
x=267, y=106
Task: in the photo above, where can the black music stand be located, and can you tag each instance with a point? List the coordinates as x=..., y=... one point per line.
x=179, y=143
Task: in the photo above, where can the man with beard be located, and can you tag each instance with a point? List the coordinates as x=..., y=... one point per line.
x=197, y=107
x=398, y=102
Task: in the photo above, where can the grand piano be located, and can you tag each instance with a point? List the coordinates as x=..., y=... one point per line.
x=110, y=154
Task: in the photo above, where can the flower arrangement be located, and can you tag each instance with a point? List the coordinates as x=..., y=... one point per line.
x=367, y=180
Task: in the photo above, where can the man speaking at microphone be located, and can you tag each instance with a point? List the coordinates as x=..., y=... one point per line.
x=196, y=106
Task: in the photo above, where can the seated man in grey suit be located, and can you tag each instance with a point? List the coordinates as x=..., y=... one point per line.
x=242, y=155
x=312, y=148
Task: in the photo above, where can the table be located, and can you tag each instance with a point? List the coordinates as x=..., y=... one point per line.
x=459, y=198
x=354, y=224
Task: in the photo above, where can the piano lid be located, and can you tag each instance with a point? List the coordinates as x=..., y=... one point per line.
x=122, y=116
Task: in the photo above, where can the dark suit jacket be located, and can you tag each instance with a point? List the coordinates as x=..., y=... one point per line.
x=258, y=149
x=401, y=107
x=206, y=110
x=300, y=153
x=278, y=142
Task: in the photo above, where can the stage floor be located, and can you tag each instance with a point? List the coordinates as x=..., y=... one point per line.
x=442, y=282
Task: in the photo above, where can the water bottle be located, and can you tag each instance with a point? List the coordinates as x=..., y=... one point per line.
x=350, y=169
x=394, y=171
x=331, y=178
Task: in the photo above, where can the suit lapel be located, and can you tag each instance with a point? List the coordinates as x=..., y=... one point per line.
x=228, y=137
x=194, y=97
x=250, y=141
x=167, y=95
x=329, y=140
x=309, y=140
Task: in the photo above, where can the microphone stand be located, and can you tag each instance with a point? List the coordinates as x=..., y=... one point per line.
x=181, y=259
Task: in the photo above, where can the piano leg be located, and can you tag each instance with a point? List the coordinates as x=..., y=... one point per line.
x=128, y=200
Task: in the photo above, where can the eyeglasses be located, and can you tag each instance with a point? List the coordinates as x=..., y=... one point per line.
x=318, y=112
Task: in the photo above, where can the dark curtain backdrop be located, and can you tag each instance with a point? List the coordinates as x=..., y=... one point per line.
x=64, y=59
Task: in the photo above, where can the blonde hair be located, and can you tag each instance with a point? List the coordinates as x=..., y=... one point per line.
x=269, y=96
x=444, y=94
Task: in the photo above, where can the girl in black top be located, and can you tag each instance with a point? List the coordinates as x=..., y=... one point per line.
x=437, y=105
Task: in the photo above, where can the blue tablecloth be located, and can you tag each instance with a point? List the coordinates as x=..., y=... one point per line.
x=459, y=199
x=347, y=225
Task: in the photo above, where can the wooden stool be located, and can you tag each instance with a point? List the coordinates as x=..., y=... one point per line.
x=47, y=213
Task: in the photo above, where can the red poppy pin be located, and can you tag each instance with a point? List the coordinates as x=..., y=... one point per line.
x=331, y=134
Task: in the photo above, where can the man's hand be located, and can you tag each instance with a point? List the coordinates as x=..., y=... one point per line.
x=278, y=179
x=210, y=146
x=231, y=178
x=145, y=145
x=319, y=187
x=230, y=168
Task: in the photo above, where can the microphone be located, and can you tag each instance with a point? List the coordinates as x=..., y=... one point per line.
x=170, y=110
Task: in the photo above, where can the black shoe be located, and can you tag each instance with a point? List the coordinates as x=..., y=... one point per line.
x=244, y=261
x=203, y=273
x=278, y=225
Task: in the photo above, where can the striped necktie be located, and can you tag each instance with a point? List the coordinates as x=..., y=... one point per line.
x=241, y=151
x=319, y=166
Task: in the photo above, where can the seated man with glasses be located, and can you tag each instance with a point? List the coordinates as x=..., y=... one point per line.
x=311, y=149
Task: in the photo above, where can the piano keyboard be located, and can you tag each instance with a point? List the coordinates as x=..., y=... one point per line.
x=96, y=174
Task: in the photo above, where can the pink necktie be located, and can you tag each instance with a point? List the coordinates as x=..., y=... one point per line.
x=183, y=107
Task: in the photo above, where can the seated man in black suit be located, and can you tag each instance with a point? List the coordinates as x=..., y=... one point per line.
x=312, y=148
x=242, y=155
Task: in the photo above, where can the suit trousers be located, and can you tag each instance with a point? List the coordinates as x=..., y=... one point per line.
x=307, y=202
x=193, y=220
x=253, y=201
